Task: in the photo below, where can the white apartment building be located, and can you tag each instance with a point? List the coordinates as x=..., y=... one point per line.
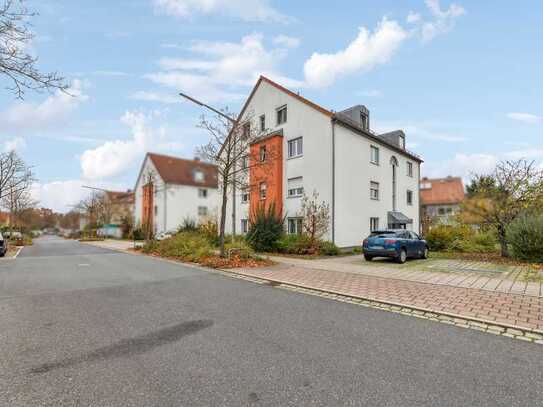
x=369, y=180
x=170, y=189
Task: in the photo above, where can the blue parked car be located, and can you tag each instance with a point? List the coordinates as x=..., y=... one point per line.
x=397, y=244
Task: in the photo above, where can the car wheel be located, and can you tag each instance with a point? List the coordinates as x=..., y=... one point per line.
x=425, y=253
x=368, y=257
x=402, y=257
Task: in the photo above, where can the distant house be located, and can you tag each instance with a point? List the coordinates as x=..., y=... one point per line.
x=4, y=218
x=118, y=207
x=171, y=189
x=440, y=199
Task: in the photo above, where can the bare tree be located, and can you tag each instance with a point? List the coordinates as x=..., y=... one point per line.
x=16, y=200
x=513, y=187
x=16, y=176
x=315, y=217
x=229, y=148
x=16, y=63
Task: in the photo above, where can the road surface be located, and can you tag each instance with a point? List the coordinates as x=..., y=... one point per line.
x=84, y=326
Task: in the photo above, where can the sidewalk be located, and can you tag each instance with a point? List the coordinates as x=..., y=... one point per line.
x=447, y=272
x=507, y=309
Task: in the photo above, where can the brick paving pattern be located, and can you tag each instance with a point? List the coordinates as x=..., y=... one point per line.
x=493, y=306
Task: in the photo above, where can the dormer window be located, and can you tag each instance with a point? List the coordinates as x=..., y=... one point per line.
x=364, y=121
x=401, y=141
x=199, y=176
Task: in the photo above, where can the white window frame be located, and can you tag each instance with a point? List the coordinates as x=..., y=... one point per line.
x=202, y=193
x=244, y=227
x=374, y=224
x=374, y=160
x=244, y=162
x=262, y=122
x=295, y=147
x=244, y=196
x=202, y=211
x=263, y=191
x=262, y=152
x=281, y=118
x=374, y=190
x=297, y=226
x=409, y=169
x=199, y=176
x=409, y=194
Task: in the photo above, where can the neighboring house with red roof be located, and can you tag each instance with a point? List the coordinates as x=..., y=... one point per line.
x=369, y=180
x=440, y=198
x=171, y=189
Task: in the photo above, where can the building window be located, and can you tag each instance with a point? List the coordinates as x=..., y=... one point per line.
x=401, y=140
x=294, y=226
x=244, y=196
x=246, y=130
x=202, y=193
x=374, y=224
x=198, y=176
x=156, y=210
x=441, y=211
x=262, y=153
x=425, y=185
x=202, y=211
x=295, y=147
x=244, y=162
x=374, y=155
x=263, y=122
x=244, y=226
x=409, y=169
x=295, y=187
x=364, y=121
x=374, y=190
x=263, y=190
x=409, y=197
x=281, y=115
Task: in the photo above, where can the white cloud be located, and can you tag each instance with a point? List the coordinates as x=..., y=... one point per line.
x=370, y=93
x=413, y=18
x=247, y=10
x=16, y=143
x=110, y=73
x=116, y=156
x=419, y=132
x=462, y=165
x=59, y=195
x=363, y=54
x=443, y=22
x=53, y=111
x=221, y=68
x=155, y=97
x=286, y=41
x=525, y=117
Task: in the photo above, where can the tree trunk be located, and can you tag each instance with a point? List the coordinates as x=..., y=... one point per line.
x=503, y=241
x=223, y=215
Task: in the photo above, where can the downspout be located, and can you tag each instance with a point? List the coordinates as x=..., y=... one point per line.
x=165, y=207
x=333, y=180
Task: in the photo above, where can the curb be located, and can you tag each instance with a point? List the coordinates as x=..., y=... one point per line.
x=479, y=324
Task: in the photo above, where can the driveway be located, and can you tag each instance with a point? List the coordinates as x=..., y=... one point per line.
x=87, y=326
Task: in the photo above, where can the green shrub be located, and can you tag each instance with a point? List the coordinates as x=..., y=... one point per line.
x=478, y=242
x=294, y=244
x=137, y=234
x=188, y=246
x=188, y=225
x=239, y=246
x=266, y=229
x=210, y=230
x=525, y=237
x=328, y=248
x=460, y=239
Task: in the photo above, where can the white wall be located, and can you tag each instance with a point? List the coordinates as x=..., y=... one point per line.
x=173, y=202
x=354, y=172
x=302, y=121
x=353, y=169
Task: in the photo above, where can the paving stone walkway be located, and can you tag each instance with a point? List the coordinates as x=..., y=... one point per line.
x=456, y=273
x=509, y=309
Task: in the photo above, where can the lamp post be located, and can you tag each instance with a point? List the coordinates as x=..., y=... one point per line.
x=234, y=125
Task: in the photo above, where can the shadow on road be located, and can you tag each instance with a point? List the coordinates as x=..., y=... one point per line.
x=129, y=347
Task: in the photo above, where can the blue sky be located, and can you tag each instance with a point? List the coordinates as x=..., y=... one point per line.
x=461, y=78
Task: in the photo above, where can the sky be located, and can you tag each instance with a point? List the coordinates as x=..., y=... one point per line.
x=462, y=79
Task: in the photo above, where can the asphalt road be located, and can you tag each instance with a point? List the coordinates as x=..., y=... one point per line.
x=82, y=326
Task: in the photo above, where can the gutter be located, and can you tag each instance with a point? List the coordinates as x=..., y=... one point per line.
x=333, y=180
